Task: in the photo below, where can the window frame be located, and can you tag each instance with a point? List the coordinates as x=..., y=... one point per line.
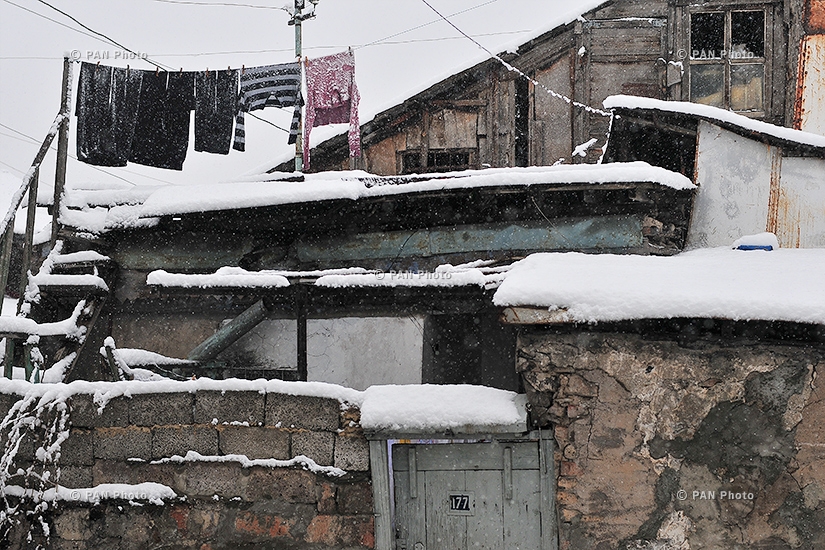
x=426, y=168
x=727, y=61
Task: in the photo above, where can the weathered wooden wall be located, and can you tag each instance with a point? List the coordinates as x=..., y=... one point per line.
x=627, y=47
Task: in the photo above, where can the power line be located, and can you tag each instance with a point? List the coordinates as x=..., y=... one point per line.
x=219, y=4
x=510, y=67
x=12, y=167
x=282, y=50
x=424, y=25
x=111, y=40
x=53, y=20
x=34, y=140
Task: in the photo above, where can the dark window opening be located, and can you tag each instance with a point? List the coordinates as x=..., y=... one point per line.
x=747, y=34
x=522, y=140
x=438, y=160
x=707, y=33
x=411, y=163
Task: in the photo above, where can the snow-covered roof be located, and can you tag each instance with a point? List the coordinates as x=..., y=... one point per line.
x=716, y=114
x=778, y=285
x=177, y=200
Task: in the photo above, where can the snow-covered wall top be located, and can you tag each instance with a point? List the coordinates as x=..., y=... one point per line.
x=356, y=185
x=717, y=114
x=780, y=285
x=411, y=408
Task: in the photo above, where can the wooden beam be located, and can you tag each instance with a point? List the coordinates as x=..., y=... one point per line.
x=533, y=316
x=379, y=467
x=62, y=145
x=31, y=212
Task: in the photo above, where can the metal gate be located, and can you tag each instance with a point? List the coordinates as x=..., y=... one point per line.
x=493, y=495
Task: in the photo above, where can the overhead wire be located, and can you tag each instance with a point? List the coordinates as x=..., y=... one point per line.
x=54, y=21
x=53, y=148
x=111, y=40
x=511, y=68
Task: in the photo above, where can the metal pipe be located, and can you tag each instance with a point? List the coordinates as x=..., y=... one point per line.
x=229, y=333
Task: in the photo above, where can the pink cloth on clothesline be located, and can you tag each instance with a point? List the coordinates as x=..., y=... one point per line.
x=332, y=98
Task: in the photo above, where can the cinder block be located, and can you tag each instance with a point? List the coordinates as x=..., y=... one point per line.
x=76, y=477
x=309, y=413
x=123, y=443
x=315, y=445
x=355, y=498
x=229, y=406
x=84, y=412
x=161, y=409
x=72, y=524
x=225, y=479
x=281, y=484
x=352, y=454
x=258, y=442
x=78, y=449
x=178, y=440
x=117, y=471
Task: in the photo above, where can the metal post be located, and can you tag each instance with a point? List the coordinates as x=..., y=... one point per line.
x=299, y=141
x=301, y=321
x=31, y=212
x=62, y=145
x=5, y=258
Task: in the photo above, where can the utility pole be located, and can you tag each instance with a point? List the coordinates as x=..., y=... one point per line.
x=297, y=19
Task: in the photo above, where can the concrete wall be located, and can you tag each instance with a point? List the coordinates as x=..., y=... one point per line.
x=650, y=431
x=225, y=505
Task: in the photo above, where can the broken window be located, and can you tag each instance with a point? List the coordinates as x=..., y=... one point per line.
x=727, y=59
x=437, y=160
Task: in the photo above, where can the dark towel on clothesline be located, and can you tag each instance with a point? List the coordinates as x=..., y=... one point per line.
x=216, y=97
x=106, y=110
x=162, y=130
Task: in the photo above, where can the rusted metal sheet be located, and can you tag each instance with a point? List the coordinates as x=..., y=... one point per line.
x=816, y=16
x=799, y=210
x=809, y=110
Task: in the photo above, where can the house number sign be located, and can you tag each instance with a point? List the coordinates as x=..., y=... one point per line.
x=461, y=504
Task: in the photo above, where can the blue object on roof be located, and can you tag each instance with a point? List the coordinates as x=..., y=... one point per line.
x=754, y=247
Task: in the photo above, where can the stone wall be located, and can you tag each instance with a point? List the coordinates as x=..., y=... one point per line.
x=221, y=505
x=651, y=431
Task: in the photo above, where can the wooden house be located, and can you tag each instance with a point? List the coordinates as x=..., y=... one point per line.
x=740, y=55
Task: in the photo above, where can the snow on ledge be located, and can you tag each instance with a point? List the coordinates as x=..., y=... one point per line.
x=717, y=114
x=777, y=285
x=300, y=460
x=462, y=409
x=223, y=277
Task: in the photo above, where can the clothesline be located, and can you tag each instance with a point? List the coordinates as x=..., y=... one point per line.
x=126, y=115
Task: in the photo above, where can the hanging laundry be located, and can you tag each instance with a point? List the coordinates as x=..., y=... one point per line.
x=269, y=86
x=106, y=110
x=332, y=98
x=162, y=130
x=216, y=99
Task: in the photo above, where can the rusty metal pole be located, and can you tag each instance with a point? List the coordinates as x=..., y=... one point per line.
x=62, y=145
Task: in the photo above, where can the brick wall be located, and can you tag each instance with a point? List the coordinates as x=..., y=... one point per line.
x=226, y=505
x=642, y=424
